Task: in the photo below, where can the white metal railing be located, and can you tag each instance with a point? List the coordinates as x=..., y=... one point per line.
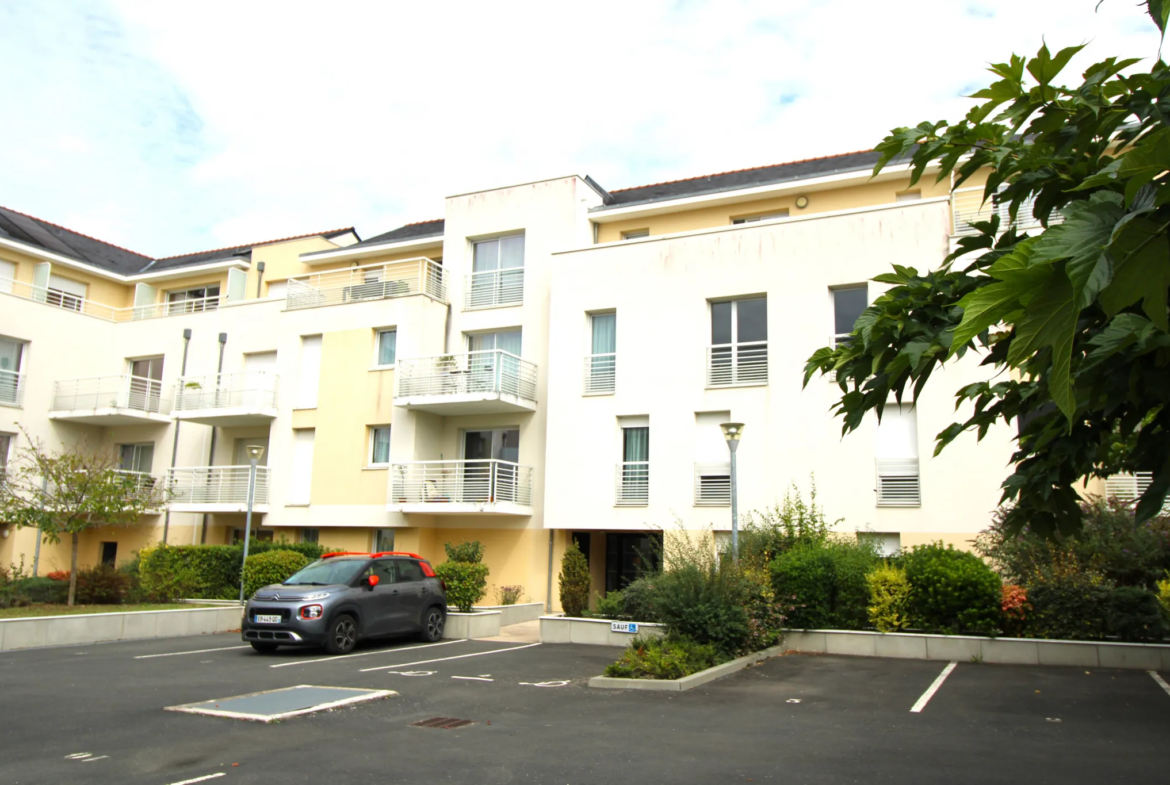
x=143, y=486
x=251, y=389
x=490, y=371
x=87, y=307
x=898, y=483
x=1130, y=487
x=633, y=484
x=600, y=373
x=114, y=392
x=712, y=484
x=461, y=482
x=492, y=288
x=216, y=484
x=369, y=282
x=11, y=388
x=967, y=207
x=194, y=305
x=737, y=364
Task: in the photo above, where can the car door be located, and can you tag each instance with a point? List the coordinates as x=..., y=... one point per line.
x=380, y=604
x=413, y=595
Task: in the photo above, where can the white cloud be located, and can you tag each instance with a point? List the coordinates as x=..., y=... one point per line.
x=173, y=128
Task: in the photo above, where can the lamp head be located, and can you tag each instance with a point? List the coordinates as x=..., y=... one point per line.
x=255, y=451
x=732, y=430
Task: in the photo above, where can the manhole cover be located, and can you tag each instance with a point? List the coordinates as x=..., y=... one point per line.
x=443, y=723
x=283, y=703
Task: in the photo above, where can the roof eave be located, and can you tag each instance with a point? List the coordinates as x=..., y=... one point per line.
x=356, y=252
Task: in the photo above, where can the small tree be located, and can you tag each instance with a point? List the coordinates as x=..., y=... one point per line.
x=465, y=574
x=69, y=491
x=575, y=580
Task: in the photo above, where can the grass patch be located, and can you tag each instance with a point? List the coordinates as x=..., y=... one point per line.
x=48, y=609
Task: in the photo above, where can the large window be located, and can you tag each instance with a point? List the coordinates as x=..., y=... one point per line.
x=302, y=467
x=633, y=487
x=11, y=368
x=898, y=482
x=65, y=292
x=136, y=458
x=379, y=445
x=309, y=379
x=497, y=273
x=848, y=303
x=387, y=348
x=738, y=354
x=601, y=364
x=202, y=298
x=712, y=461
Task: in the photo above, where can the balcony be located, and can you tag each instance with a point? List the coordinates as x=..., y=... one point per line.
x=967, y=207
x=737, y=364
x=484, y=487
x=226, y=399
x=487, y=382
x=898, y=483
x=633, y=484
x=110, y=400
x=712, y=484
x=493, y=289
x=107, y=313
x=11, y=388
x=363, y=284
x=216, y=489
x=600, y=374
x=141, y=485
x=1130, y=487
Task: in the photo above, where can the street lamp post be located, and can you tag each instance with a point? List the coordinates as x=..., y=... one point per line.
x=255, y=451
x=732, y=431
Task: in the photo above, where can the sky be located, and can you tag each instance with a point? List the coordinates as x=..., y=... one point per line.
x=170, y=128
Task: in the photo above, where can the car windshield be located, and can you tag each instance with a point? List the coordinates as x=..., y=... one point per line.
x=326, y=572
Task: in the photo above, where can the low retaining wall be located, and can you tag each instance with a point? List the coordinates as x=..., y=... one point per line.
x=481, y=624
x=686, y=682
x=85, y=628
x=591, y=632
x=515, y=614
x=962, y=648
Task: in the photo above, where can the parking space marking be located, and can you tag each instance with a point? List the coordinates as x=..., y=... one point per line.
x=471, y=678
x=1161, y=682
x=196, y=651
x=555, y=683
x=933, y=688
x=364, y=654
x=199, y=779
x=99, y=757
x=444, y=659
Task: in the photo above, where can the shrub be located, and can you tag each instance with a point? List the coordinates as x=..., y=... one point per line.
x=951, y=591
x=466, y=583
x=1015, y=608
x=42, y=590
x=210, y=572
x=669, y=657
x=1164, y=592
x=575, y=581
x=1135, y=614
x=611, y=606
x=60, y=575
x=270, y=567
x=704, y=604
x=765, y=615
x=1068, y=606
x=638, y=600
x=773, y=531
x=469, y=552
x=889, y=597
x=101, y=585
x=826, y=582
x=14, y=585
x=509, y=595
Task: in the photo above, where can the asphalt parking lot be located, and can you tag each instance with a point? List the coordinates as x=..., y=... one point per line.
x=95, y=714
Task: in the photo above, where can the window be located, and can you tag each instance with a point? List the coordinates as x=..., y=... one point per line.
x=136, y=458
x=203, y=298
x=310, y=535
x=635, y=234
x=497, y=276
x=633, y=489
x=897, y=458
x=600, y=365
x=11, y=368
x=494, y=364
x=408, y=571
x=886, y=543
x=310, y=375
x=380, y=445
x=908, y=196
x=7, y=276
x=738, y=354
x=109, y=553
x=145, y=393
x=848, y=303
x=302, y=467
x=387, y=348
x=384, y=541
x=6, y=440
x=65, y=293
x=712, y=461
x=751, y=219
x=258, y=534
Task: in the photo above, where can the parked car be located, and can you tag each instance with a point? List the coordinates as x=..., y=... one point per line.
x=344, y=597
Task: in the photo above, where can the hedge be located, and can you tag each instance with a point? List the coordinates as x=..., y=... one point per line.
x=207, y=572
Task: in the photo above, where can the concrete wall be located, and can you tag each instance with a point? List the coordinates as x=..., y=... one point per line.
x=99, y=627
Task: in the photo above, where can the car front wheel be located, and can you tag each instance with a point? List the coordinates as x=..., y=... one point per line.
x=432, y=628
x=343, y=635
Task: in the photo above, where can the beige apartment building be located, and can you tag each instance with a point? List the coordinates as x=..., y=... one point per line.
x=548, y=360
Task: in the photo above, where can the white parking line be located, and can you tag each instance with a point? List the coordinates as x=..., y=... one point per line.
x=1161, y=682
x=933, y=688
x=91, y=760
x=364, y=654
x=196, y=651
x=199, y=779
x=444, y=659
x=471, y=678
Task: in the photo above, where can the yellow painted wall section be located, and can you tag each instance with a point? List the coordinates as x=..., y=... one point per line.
x=282, y=260
x=509, y=554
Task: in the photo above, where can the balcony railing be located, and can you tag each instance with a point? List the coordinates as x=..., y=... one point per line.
x=633, y=484
x=11, y=388
x=712, y=484
x=461, y=482
x=244, y=389
x=737, y=364
x=141, y=485
x=87, y=307
x=898, y=484
x=600, y=373
x=493, y=288
x=491, y=371
x=370, y=282
x=1130, y=487
x=111, y=392
x=968, y=207
x=216, y=485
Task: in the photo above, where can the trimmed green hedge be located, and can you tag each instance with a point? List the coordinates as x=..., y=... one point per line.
x=271, y=567
x=207, y=572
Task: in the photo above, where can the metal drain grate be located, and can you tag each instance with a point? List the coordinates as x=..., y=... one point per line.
x=442, y=723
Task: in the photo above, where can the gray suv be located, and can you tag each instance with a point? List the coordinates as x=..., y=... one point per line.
x=344, y=597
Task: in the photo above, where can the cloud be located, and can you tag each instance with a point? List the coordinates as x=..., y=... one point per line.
x=170, y=128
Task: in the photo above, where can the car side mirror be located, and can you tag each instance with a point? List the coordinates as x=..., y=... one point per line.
x=371, y=581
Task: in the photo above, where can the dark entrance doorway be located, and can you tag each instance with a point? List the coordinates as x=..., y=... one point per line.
x=109, y=553
x=628, y=555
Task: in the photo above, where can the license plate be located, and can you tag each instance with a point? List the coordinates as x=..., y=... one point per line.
x=266, y=619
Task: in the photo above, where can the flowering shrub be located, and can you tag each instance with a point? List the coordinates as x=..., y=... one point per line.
x=58, y=575
x=1015, y=608
x=509, y=595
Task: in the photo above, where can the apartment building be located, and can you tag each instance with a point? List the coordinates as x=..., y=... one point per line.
x=549, y=360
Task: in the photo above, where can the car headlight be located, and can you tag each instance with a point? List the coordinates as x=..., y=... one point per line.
x=318, y=596
x=311, y=612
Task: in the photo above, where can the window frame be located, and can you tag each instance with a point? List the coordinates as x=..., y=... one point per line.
x=372, y=441
x=135, y=448
x=777, y=215
x=636, y=234
x=835, y=337
x=378, y=333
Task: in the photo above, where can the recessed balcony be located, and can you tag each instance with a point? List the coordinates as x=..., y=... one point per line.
x=216, y=489
x=140, y=485
x=226, y=400
x=478, y=487
x=370, y=282
x=487, y=382
x=110, y=400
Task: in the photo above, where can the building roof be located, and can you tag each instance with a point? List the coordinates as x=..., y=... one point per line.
x=414, y=231
x=235, y=251
x=743, y=178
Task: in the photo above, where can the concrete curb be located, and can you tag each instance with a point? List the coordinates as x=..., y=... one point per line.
x=686, y=682
x=515, y=614
x=590, y=632
x=86, y=628
x=962, y=648
x=479, y=624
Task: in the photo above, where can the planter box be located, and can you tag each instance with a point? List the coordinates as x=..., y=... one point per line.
x=515, y=614
x=590, y=632
x=686, y=682
x=962, y=648
x=480, y=624
x=86, y=628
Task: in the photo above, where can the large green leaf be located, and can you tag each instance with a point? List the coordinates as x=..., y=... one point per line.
x=1141, y=271
x=991, y=304
x=1044, y=67
x=1050, y=322
x=1087, y=229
